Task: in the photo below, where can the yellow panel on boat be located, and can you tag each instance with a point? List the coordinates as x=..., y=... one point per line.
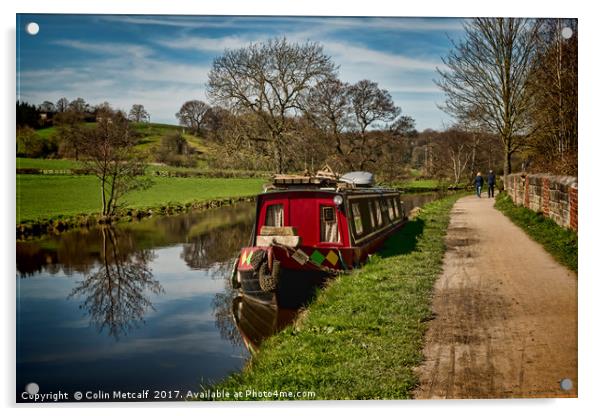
x=332, y=258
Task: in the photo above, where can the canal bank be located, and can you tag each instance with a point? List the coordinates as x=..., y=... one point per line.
x=34, y=228
x=363, y=334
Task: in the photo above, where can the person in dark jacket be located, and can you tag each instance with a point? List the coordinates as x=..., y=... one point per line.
x=479, y=183
x=490, y=184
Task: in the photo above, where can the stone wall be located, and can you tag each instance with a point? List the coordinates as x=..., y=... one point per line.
x=554, y=196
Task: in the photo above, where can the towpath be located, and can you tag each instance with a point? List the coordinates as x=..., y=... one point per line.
x=505, y=322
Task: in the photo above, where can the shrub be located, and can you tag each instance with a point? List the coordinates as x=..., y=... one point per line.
x=30, y=144
x=174, y=150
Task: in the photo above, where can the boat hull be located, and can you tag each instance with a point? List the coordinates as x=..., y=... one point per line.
x=301, y=270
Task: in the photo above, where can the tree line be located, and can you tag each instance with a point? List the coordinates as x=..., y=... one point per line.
x=510, y=85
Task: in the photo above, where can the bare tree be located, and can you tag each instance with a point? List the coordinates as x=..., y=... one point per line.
x=192, y=115
x=79, y=105
x=455, y=146
x=554, y=92
x=139, y=114
x=487, y=76
x=347, y=113
x=62, y=105
x=372, y=107
x=269, y=79
x=328, y=106
x=47, y=107
x=109, y=152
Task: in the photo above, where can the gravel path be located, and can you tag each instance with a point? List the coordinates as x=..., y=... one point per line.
x=505, y=322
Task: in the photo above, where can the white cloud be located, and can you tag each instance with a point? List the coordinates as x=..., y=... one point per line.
x=346, y=53
x=207, y=44
x=108, y=48
x=191, y=22
x=414, y=24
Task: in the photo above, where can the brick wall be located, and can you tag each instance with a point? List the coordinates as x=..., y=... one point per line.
x=555, y=196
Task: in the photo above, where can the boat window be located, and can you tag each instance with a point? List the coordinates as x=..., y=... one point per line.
x=329, y=230
x=379, y=213
x=391, y=209
x=372, y=210
x=400, y=207
x=396, y=206
x=357, y=219
x=274, y=215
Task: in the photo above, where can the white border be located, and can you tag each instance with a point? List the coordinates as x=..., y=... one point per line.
x=590, y=156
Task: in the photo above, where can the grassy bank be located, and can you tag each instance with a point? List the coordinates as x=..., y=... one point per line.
x=421, y=185
x=363, y=334
x=50, y=196
x=560, y=242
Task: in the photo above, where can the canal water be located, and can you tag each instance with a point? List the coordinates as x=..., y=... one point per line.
x=142, y=305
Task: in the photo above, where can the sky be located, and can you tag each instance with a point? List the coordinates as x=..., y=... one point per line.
x=163, y=61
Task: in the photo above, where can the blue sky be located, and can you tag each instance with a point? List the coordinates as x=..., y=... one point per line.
x=162, y=61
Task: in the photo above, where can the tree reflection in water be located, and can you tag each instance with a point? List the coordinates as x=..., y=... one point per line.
x=224, y=320
x=115, y=295
x=215, y=248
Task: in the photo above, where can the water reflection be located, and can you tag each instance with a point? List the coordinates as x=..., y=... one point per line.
x=116, y=294
x=257, y=320
x=207, y=249
x=155, y=297
x=209, y=237
x=222, y=309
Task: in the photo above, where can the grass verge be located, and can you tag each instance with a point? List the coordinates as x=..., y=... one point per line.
x=362, y=336
x=560, y=242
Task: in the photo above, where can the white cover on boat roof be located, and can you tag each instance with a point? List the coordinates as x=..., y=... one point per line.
x=358, y=178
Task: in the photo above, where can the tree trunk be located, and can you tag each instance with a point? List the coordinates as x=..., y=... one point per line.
x=104, y=197
x=507, y=160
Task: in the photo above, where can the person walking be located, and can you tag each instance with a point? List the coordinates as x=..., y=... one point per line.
x=490, y=184
x=479, y=183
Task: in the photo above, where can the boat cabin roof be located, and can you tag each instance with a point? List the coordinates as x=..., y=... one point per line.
x=326, y=180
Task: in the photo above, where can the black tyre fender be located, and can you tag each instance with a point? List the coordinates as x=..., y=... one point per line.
x=269, y=281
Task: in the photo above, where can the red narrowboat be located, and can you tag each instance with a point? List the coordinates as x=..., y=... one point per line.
x=309, y=228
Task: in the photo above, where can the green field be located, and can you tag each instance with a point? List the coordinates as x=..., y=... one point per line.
x=49, y=196
x=421, y=185
x=363, y=335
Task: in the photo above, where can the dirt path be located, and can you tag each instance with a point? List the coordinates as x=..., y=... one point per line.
x=505, y=320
